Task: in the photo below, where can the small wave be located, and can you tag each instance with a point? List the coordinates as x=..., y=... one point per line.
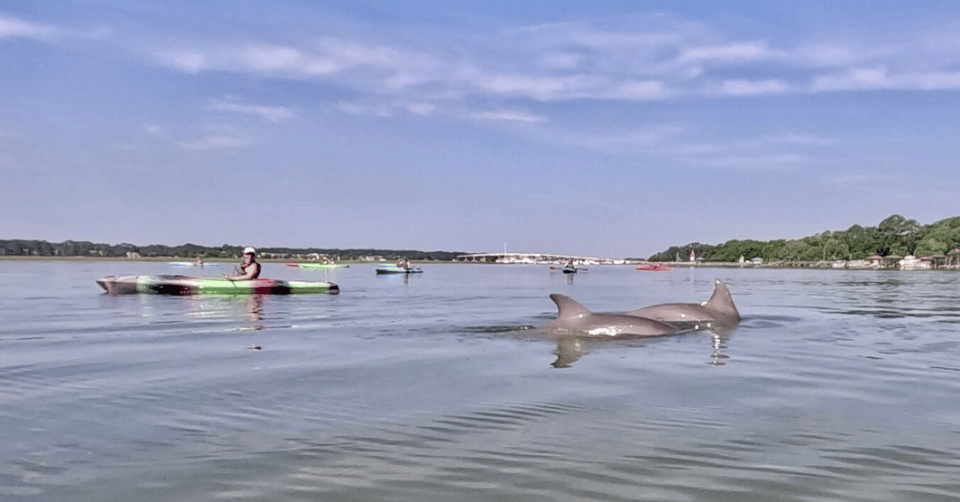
x=496, y=329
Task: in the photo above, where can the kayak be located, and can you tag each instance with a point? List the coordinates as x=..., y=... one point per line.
x=316, y=266
x=393, y=269
x=190, y=285
x=569, y=270
x=654, y=267
x=191, y=264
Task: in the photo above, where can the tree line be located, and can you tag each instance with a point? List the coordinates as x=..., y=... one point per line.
x=895, y=236
x=20, y=247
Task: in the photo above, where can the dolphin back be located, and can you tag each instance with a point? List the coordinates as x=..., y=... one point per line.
x=721, y=301
x=568, y=308
x=719, y=309
x=572, y=316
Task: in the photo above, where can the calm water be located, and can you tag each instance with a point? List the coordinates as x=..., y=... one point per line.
x=838, y=385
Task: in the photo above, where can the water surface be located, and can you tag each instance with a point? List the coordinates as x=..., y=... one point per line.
x=838, y=385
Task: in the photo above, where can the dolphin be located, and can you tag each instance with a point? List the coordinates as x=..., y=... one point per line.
x=717, y=312
x=575, y=317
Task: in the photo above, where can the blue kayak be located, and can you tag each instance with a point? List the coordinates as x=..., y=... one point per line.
x=394, y=269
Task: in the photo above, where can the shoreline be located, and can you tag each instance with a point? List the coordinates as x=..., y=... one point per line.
x=826, y=265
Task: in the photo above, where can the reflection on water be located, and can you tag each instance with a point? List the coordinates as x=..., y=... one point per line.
x=210, y=310
x=405, y=278
x=718, y=357
x=255, y=310
x=571, y=348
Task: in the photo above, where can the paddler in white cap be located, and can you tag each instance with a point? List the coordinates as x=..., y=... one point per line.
x=249, y=269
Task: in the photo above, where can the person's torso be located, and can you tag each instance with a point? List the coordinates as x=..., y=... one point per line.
x=256, y=268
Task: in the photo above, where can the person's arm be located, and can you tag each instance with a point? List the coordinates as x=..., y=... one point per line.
x=247, y=274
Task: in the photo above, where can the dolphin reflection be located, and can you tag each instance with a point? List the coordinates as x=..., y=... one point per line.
x=570, y=348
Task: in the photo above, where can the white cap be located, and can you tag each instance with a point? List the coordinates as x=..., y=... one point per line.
x=250, y=250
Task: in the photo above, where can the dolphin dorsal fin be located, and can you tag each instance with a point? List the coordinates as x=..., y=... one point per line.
x=568, y=308
x=721, y=300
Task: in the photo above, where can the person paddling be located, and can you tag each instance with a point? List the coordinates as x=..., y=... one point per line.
x=249, y=269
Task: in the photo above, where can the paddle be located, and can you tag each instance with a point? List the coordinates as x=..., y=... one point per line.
x=236, y=269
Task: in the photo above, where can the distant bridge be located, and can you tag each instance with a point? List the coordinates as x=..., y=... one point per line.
x=537, y=258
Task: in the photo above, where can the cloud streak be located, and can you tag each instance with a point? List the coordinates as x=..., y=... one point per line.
x=271, y=113
x=215, y=139
x=11, y=27
x=507, y=116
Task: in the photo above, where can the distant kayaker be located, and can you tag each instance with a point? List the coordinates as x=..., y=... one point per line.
x=403, y=263
x=199, y=261
x=249, y=269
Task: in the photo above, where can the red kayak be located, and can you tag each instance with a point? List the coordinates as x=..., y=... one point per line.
x=654, y=267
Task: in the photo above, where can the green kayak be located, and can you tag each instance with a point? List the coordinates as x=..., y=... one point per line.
x=189, y=285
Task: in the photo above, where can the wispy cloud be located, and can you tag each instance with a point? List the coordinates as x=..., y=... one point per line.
x=858, y=79
x=392, y=67
x=732, y=53
x=773, y=153
x=421, y=108
x=750, y=88
x=652, y=58
x=652, y=140
x=386, y=108
x=506, y=115
x=11, y=27
x=271, y=113
x=753, y=87
x=223, y=138
x=775, y=161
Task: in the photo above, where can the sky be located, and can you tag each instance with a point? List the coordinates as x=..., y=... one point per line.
x=597, y=128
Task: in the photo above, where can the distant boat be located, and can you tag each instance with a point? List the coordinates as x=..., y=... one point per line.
x=567, y=269
x=911, y=262
x=654, y=267
x=395, y=269
x=315, y=266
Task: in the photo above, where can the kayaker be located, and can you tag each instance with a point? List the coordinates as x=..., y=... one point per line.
x=249, y=269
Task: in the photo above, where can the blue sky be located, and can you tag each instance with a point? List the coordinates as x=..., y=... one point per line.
x=605, y=128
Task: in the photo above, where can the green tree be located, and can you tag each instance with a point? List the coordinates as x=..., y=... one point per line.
x=898, y=235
